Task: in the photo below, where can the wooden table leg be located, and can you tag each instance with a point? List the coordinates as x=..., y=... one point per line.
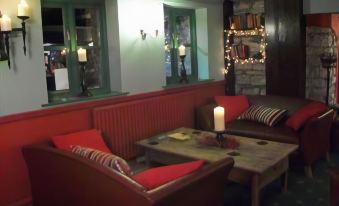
x=148, y=158
x=255, y=190
x=284, y=181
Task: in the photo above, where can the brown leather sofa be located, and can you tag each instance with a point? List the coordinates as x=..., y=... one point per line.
x=62, y=178
x=313, y=139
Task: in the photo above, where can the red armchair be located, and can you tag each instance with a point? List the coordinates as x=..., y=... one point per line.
x=62, y=178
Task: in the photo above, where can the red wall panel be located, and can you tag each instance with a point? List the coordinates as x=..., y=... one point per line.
x=318, y=20
x=124, y=124
x=170, y=108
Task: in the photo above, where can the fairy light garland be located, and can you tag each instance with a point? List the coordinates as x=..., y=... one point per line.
x=244, y=33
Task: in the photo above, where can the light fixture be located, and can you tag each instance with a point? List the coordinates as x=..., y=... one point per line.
x=6, y=29
x=328, y=61
x=144, y=34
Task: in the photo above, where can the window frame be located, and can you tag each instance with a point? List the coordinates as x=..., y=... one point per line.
x=68, y=8
x=175, y=65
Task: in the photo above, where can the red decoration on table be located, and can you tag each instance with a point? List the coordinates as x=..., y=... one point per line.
x=227, y=143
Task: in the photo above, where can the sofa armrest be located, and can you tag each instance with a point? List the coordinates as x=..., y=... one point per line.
x=62, y=178
x=191, y=189
x=205, y=117
x=315, y=137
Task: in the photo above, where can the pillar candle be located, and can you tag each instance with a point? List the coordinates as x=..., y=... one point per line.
x=219, y=119
x=82, y=55
x=23, y=8
x=5, y=23
x=182, y=50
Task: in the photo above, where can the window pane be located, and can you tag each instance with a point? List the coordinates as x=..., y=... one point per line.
x=183, y=27
x=56, y=70
x=168, y=63
x=188, y=62
x=87, y=27
x=168, y=43
x=93, y=68
x=52, y=26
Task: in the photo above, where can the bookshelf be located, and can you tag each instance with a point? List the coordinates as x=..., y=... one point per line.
x=285, y=45
x=250, y=27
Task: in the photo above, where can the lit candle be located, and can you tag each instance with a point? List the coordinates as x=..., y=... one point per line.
x=5, y=23
x=23, y=8
x=219, y=119
x=82, y=55
x=182, y=50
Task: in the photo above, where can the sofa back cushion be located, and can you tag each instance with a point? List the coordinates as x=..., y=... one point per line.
x=88, y=138
x=298, y=119
x=234, y=106
x=291, y=104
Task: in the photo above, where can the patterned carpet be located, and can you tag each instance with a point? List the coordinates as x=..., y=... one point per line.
x=301, y=190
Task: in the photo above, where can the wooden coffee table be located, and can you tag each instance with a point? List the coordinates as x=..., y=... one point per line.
x=258, y=163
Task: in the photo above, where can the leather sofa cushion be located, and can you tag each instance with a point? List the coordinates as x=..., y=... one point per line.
x=155, y=177
x=246, y=128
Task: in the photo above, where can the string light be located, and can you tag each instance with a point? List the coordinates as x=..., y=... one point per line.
x=243, y=33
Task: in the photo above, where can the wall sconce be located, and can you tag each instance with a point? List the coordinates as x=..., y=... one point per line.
x=6, y=28
x=144, y=34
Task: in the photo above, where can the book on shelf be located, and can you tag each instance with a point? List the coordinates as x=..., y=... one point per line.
x=246, y=21
x=240, y=51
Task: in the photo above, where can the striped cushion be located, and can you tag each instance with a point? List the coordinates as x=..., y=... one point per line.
x=106, y=159
x=265, y=115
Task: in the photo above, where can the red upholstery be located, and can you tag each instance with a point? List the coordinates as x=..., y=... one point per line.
x=234, y=106
x=60, y=177
x=298, y=119
x=89, y=138
x=156, y=177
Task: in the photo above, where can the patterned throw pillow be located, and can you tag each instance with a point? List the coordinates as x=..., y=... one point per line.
x=103, y=158
x=265, y=115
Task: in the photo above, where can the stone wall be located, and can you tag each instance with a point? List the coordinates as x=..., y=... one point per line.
x=318, y=41
x=250, y=78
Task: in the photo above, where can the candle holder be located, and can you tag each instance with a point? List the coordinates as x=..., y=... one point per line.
x=84, y=89
x=183, y=72
x=328, y=61
x=220, y=137
x=6, y=34
x=6, y=38
x=23, y=30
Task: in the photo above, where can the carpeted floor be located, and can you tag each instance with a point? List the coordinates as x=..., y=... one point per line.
x=301, y=190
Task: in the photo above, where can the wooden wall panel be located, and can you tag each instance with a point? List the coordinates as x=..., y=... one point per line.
x=285, y=64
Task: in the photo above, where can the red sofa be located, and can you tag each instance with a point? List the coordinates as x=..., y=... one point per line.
x=62, y=178
x=313, y=138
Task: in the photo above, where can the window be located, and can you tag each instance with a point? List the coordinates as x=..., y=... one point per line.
x=66, y=28
x=180, y=30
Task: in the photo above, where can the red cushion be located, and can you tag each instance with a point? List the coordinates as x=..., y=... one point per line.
x=298, y=119
x=89, y=138
x=234, y=106
x=156, y=177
